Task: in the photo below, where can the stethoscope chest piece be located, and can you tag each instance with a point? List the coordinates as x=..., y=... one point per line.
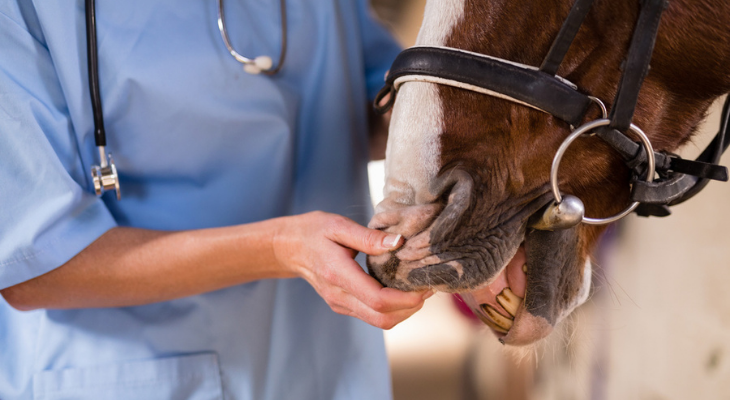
x=105, y=177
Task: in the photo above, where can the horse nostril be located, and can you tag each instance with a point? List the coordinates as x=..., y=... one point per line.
x=458, y=197
x=443, y=198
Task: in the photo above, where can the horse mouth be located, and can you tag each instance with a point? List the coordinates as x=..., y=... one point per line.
x=510, y=303
x=498, y=302
x=518, y=280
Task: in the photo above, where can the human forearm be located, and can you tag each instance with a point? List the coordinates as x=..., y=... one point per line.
x=129, y=266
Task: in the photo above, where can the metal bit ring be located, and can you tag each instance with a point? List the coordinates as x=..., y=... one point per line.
x=599, y=103
x=587, y=128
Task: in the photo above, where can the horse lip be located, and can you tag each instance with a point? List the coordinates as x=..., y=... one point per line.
x=550, y=256
x=526, y=329
x=458, y=185
x=547, y=254
x=460, y=200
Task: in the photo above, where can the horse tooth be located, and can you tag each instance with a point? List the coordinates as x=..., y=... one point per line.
x=499, y=319
x=507, y=292
x=524, y=268
x=509, y=301
x=491, y=324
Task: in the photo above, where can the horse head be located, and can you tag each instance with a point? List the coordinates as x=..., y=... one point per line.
x=467, y=173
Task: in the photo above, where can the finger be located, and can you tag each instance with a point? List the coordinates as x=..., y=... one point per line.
x=348, y=305
x=369, y=241
x=380, y=320
x=344, y=303
x=367, y=290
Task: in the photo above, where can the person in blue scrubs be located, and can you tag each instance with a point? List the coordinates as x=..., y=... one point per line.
x=177, y=291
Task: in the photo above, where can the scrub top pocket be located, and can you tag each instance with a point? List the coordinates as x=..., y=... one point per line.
x=194, y=377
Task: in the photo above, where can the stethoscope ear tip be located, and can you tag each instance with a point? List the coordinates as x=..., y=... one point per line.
x=251, y=69
x=258, y=65
x=263, y=62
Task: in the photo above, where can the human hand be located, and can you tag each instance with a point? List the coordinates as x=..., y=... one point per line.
x=321, y=248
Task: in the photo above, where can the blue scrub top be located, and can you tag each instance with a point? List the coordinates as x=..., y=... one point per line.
x=198, y=143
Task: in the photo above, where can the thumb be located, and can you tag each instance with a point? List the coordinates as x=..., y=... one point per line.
x=369, y=241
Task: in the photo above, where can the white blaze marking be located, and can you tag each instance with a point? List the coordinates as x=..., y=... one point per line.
x=439, y=20
x=412, y=155
x=413, y=152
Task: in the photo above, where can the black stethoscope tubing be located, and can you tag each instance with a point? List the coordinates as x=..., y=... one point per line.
x=93, y=66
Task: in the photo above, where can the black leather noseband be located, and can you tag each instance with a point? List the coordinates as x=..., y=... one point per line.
x=519, y=82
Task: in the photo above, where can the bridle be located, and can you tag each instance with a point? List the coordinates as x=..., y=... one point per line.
x=540, y=88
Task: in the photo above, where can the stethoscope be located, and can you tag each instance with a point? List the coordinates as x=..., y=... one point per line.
x=104, y=175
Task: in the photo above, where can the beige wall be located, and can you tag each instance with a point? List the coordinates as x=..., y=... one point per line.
x=670, y=334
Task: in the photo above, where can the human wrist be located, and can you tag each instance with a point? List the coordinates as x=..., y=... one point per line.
x=281, y=245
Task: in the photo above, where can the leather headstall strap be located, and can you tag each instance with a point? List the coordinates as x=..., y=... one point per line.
x=565, y=37
x=677, y=176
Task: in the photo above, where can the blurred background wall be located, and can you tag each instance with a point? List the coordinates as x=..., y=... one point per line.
x=657, y=326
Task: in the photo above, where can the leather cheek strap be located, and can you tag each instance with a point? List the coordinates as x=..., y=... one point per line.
x=636, y=66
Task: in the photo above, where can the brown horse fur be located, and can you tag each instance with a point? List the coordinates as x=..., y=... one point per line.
x=507, y=149
x=690, y=67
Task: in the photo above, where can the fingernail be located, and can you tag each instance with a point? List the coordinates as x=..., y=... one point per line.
x=428, y=294
x=391, y=241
